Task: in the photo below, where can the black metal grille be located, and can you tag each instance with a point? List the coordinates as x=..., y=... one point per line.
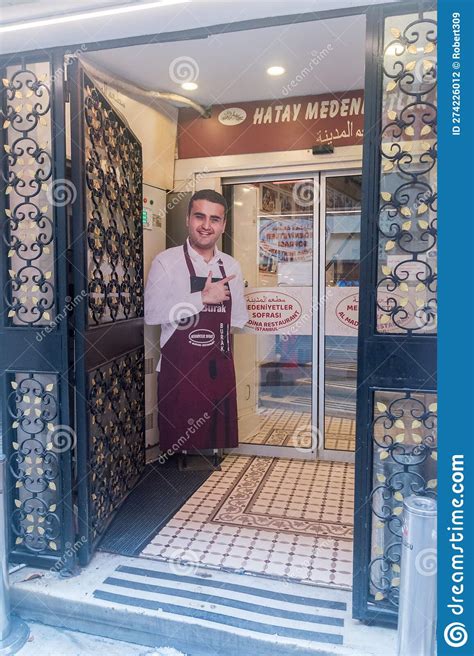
x=406, y=292
x=116, y=440
x=30, y=194
x=113, y=207
x=405, y=453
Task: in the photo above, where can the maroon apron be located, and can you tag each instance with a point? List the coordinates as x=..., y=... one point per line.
x=197, y=405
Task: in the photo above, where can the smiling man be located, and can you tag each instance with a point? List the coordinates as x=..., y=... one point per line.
x=196, y=293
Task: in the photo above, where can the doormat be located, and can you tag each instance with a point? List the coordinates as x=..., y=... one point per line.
x=159, y=494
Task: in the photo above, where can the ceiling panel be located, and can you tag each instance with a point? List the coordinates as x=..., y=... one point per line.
x=319, y=57
x=191, y=14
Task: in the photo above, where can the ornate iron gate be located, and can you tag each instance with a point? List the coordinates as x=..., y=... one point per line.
x=396, y=418
x=37, y=422
x=108, y=269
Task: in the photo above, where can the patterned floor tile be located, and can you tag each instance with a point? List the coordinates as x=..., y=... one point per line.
x=271, y=516
x=293, y=428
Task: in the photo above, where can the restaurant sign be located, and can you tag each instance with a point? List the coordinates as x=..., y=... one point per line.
x=277, y=310
x=297, y=123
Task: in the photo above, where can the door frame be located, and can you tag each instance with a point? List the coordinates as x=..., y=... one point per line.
x=286, y=451
x=198, y=33
x=376, y=348
x=27, y=505
x=328, y=454
x=319, y=177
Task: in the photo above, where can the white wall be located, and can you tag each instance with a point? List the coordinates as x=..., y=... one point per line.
x=208, y=172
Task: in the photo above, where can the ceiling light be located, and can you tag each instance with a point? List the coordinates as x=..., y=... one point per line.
x=84, y=15
x=275, y=70
x=189, y=86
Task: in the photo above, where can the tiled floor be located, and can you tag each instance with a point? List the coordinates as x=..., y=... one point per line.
x=293, y=428
x=282, y=428
x=270, y=516
x=340, y=434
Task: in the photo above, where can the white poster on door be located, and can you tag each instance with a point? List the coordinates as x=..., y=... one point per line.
x=342, y=310
x=280, y=310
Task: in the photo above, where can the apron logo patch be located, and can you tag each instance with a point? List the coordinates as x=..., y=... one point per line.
x=202, y=337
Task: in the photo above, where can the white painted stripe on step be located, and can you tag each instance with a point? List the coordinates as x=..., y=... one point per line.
x=213, y=608
x=311, y=591
x=187, y=621
x=219, y=589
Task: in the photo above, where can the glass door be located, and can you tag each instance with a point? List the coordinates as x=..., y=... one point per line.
x=273, y=235
x=340, y=255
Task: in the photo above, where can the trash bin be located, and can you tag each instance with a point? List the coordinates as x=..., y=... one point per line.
x=417, y=609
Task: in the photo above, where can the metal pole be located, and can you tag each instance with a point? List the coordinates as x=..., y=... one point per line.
x=13, y=631
x=417, y=612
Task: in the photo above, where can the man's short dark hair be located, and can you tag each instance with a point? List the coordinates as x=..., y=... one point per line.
x=210, y=195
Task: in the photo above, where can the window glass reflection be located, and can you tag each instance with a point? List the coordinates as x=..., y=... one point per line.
x=342, y=220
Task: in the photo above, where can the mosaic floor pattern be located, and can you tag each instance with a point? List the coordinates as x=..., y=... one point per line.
x=292, y=428
x=271, y=516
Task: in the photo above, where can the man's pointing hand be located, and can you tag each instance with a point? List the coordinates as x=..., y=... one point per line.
x=215, y=292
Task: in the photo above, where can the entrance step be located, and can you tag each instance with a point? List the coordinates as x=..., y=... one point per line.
x=199, y=611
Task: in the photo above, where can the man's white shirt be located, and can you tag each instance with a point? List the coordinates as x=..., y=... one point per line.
x=168, y=295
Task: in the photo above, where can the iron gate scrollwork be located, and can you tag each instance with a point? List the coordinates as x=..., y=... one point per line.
x=405, y=455
x=108, y=258
x=37, y=426
x=113, y=206
x=406, y=287
x=396, y=399
x=29, y=223
x=117, y=456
